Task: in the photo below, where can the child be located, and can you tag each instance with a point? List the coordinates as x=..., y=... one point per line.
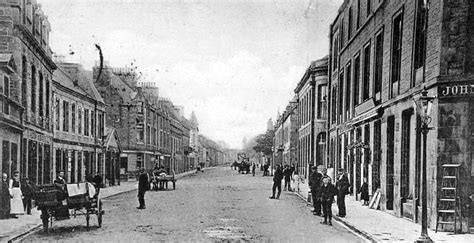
x=328, y=191
x=364, y=193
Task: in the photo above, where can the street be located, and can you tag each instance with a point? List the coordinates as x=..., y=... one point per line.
x=219, y=204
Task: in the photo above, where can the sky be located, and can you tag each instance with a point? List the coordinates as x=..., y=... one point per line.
x=234, y=63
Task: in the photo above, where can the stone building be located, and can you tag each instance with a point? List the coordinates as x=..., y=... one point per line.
x=79, y=124
x=135, y=114
x=286, y=136
x=311, y=93
x=382, y=55
x=26, y=69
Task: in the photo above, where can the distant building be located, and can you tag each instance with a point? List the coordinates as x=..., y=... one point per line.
x=311, y=93
x=286, y=136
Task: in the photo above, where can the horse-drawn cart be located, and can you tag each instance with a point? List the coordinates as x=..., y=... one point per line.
x=59, y=202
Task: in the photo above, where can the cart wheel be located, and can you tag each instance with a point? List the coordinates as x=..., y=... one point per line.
x=45, y=219
x=99, y=213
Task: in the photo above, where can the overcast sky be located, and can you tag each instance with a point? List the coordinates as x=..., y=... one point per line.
x=235, y=63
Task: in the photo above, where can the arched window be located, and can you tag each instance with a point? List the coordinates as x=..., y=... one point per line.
x=321, y=148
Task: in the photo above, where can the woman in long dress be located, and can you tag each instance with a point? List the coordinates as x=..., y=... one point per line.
x=16, y=202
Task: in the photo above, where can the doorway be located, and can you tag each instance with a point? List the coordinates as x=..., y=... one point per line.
x=390, y=162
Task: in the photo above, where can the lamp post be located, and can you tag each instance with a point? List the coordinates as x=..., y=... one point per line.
x=422, y=105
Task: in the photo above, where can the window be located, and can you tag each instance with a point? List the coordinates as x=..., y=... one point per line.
x=24, y=80
x=73, y=118
x=6, y=92
x=358, y=15
x=148, y=134
x=47, y=98
x=321, y=148
x=366, y=74
x=93, y=125
x=378, y=69
x=65, y=116
x=79, y=120
x=335, y=48
x=396, y=54
x=341, y=41
x=420, y=38
x=100, y=120
x=369, y=7
x=341, y=95
x=349, y=24
x=58, y=113
x=140, y=135
x=33, y=89
x=322, y=99
x=356, y=79
x=333, y=104
x=140, y=107
x=40, y=94
x=86, y=122
x=348, y=89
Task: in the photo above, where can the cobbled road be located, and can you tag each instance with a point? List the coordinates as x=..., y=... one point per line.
x=214, y=206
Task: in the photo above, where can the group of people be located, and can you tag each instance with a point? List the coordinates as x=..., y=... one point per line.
x=282, y=173
x=16, y=196
x=323, y=193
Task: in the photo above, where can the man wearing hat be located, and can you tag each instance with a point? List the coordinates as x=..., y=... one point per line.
x=315, y=185
x=28, y=191
x=342, y=187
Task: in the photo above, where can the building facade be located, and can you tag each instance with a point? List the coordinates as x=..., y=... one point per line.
x=286, y=136
x=311, y=93
x=383, y=54
x=79, y=124
x=27, y=69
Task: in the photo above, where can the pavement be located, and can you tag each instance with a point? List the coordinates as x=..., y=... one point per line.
x=380, y=226
x=12, y=229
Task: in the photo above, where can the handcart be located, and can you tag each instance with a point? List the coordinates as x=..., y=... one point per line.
x=59, y=202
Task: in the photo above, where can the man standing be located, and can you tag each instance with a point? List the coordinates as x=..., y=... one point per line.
x=315, y=185
x=143, y=185
x=277, y=177
x=5, y=198
x=28, y=191
x=342, y=187
x=327, y=198
x=287, y=173
x=253, y=169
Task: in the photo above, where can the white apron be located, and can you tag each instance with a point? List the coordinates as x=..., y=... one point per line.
x=16, y=203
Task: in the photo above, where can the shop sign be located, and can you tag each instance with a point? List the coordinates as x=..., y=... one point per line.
x=37, y=137
x=456, y=90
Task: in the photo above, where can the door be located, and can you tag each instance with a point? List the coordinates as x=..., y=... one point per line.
x=390, y=162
